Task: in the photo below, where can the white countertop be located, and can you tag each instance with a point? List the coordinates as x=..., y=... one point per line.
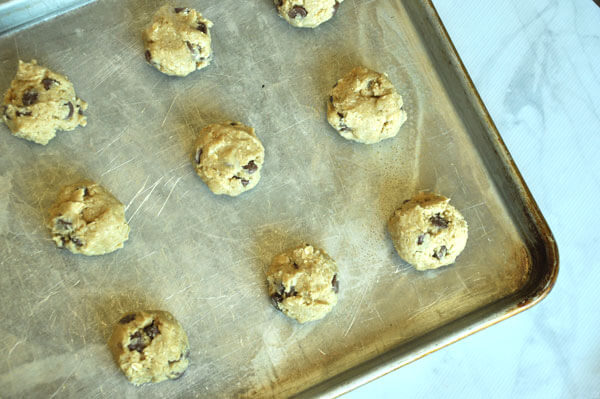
x=536, y=64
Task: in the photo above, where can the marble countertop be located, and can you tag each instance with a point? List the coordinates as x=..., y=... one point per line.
x=536, y=64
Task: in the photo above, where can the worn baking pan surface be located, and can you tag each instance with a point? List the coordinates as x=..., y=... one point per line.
x=203, y=257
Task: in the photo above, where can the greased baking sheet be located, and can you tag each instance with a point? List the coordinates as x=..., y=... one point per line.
x=203, y=257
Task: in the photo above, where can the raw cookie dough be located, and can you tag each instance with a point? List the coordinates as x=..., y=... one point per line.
x=229, y=158
x=86, y=219
x=150, y=346
x=39, y=102
x=303, y=283
x=307, y=13
x=364, y=106
x=177, y=42
x=428, y=232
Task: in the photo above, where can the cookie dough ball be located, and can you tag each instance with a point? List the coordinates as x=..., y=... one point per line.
x=39, y=102
x=364, y=106
x=428, y=232
x=307, y=13
x=177, y=42
x=86, y=219
x=229, y=158
x=150, y=346
x=303, y=283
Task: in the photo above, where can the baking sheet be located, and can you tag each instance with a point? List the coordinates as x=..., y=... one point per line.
x=204, y=257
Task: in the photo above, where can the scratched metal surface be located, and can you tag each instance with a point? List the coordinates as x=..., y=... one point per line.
x=203, y=257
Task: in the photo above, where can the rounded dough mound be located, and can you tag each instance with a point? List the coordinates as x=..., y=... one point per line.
x=177, y=42
x=303, y=283
x=86, y=219
x=428, y=232
x=229, y=157
x=364, y=106
x=39, y=102
x=307, y=13
x=150, y=346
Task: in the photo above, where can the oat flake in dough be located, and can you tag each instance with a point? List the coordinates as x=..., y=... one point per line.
x=364, y=106
x=428, y=232
x=87, y=219
x=150, y=346
x=229, y=158
x=303, y=283
x=178, y=41
x=307, y=13
x=40, y=102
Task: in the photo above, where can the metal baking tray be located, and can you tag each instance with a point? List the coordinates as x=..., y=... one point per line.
x=203, y=257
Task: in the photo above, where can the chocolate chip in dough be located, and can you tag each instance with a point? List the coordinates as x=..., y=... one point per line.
x=71, y=109
x=440, y=253
x=335, y=284
x=202, y=27
x=297, y=11
x=421, y=239
x=439, y=221
x=48, y=83
x=251, y=167
x=30, y=97
x=136, y=342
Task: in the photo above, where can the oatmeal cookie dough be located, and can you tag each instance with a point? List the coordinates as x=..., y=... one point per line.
x=307, y=13
x=177, y=42
x=229, y=157
x=364, y=106
x=150, y=346
x=86, y=219
x=303, y=283
x=428, y=232
x=39, y=102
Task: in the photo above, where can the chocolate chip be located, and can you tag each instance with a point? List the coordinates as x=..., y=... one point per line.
x=151, y=330
x=297, y=10
x=292, y=292
x=251, y=167
x=243, y=181
x=276, y=299
x=127, y=318
x=439, y=221
x=26, y=113
x=331, y=99
x=345, y=128
x=340, y=115
x=335, y=7
x=179, y=9
x=48, y=82
x=148, y=56
x=30, y=97
x=71, y=109
x=440, y=253
x=370, y=84
x=233, y=123
x=279, y=3
x=202, y=27
x=80, y=111
x=85, y=192
x=421, y=239
x=63, y=224
x=198, y=155
x=296, y=266
x=335, y=284
x=136, y=342
x=77, y=241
